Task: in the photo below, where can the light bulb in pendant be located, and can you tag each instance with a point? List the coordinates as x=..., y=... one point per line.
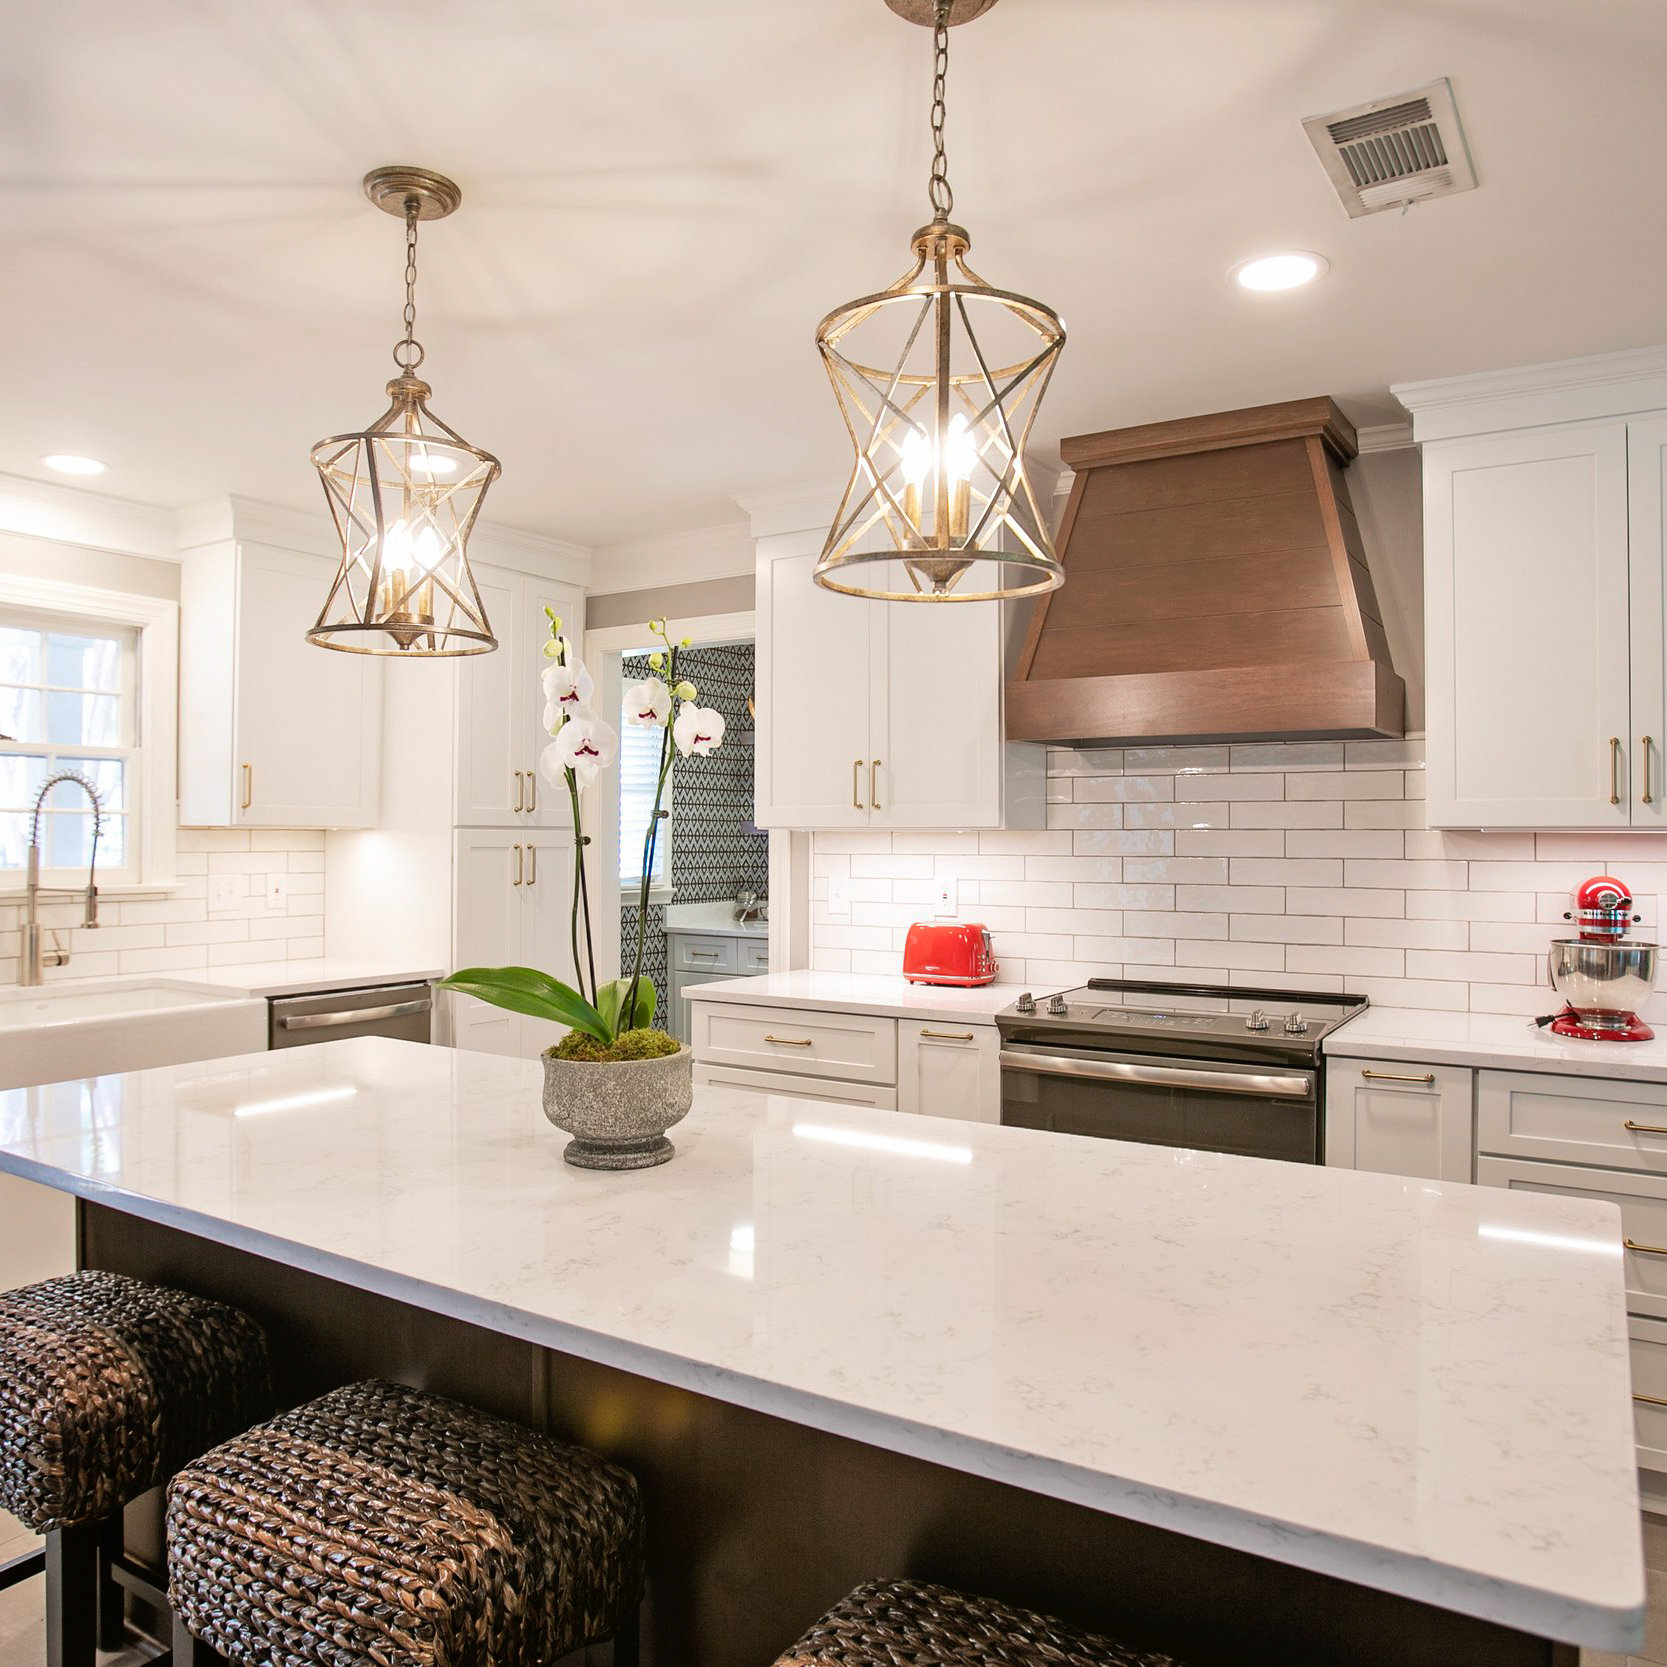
x=916, y=461
x=406, y=592
x=960, y=453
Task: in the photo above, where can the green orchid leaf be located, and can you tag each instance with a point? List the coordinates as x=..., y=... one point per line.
x=609, y=999
x=526, y=990
x=646, y=998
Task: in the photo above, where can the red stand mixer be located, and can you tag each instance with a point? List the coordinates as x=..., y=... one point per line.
x=1601, y=975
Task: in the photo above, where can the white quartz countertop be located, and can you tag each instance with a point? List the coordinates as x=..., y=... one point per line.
x=1415, y=1386
x=1486, y=1039
x=296, y=978
x=858, y=992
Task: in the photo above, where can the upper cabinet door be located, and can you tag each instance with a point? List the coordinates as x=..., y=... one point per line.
x=1526, y=603
x=936, y=721
x=1647, y=485
x=813, y=757
x=491, y=747
x=546, y=807
x=308, y=722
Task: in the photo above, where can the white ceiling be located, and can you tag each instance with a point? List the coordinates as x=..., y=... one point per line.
x=662, y=197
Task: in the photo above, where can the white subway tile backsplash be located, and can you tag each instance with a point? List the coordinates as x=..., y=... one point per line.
x=1302, y=865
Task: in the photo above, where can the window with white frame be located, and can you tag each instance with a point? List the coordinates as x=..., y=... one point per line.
x=83, y=688
x=639, y=771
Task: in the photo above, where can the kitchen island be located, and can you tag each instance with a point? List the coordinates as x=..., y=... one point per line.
x=1244, y=1411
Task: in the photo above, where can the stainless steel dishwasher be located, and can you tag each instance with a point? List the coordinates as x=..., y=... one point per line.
x=402, y=1011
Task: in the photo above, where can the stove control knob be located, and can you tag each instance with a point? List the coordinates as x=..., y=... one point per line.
x=1058, y=1007
x=1296, y=1025
x=1025, y=1004
x=1257, y=1021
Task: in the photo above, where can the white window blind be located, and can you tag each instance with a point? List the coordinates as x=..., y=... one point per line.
x=639, y=770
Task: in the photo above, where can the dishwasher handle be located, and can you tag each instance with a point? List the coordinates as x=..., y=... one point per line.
x=351, y=1016
x=1295, y=1086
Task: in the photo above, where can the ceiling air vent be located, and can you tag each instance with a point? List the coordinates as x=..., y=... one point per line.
x=1394, y=151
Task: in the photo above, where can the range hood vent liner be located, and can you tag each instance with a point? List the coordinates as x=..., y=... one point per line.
x=1216, y=589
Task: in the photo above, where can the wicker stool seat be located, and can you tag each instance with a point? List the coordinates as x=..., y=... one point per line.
x=904, y=1623
x=380, y=1524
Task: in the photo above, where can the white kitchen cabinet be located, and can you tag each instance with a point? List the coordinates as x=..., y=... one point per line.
x=513, y=895
x=273, y=731
x=1648, y=1348
x=882, y=715
x=500, y=707
x=948, y=1070
x=1393, y=1118
x=759, y=1085
x=803, y=1041
x=1543, y=568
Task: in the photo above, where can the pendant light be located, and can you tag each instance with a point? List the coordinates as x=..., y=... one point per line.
x=939, y=379
x=405, y=492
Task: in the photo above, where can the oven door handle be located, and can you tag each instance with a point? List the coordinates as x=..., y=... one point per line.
x=1292, y=1087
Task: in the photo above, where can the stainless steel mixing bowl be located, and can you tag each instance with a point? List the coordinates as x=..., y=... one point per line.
x=1602, y=977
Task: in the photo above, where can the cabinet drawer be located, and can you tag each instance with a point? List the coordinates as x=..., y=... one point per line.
x=1572, y=1119
x=1641, y=1199
x=856, y=1047
x=1648, y=1347
x=691, y=953
x=755, y=955
x=1397, y=1118
x=759, y=1084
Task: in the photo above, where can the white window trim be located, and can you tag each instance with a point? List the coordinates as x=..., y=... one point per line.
x=156, y=695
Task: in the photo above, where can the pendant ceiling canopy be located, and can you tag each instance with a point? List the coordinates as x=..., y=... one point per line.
x=406, y=491
x=939, y=379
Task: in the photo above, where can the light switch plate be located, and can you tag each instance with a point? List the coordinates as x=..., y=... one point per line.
x=227, y=891
x=277, y=891
x=839, y=895
x=944, y=903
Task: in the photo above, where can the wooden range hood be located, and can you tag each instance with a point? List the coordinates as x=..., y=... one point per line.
x=1216, y=588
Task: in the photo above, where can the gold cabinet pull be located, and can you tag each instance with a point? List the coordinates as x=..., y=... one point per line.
x=1646, y=1249
x=532, y=791
x=518, y=869
x=789, y=1041
x=518, y=789
x=532, y=865
x=856, y=798
x=1397, y=1076
x=1614, y=769
x=702, y=954
x=1644, y=1128
x=248, y=786
x=1645, y=749
x=1649, y=1400
x=874, y=785
x=948, y=1035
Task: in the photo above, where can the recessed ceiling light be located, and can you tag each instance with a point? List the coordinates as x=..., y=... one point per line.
x=1288, y=270
x=67, y=463
x=432, y=463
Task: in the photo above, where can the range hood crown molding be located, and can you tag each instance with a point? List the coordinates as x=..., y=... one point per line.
x=1217, y=589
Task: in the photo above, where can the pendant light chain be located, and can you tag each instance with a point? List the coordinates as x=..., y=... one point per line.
x=939, y=193
x=408, y=353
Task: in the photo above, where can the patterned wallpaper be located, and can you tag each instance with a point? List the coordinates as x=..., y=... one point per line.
x=712, y=858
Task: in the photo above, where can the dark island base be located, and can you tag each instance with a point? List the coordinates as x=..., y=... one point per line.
x=757, y=1525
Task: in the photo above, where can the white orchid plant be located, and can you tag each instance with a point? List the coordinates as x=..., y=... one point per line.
x=581, y=745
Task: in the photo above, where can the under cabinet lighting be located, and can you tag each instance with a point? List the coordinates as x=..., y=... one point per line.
x=67, y=463
x=1289, y=270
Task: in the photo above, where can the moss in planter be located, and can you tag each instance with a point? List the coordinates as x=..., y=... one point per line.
x=630, y=1044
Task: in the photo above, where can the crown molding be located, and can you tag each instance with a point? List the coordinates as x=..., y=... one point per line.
x=798, y=507
x=1567, y=390
x=1384, y=437
x=721, y=552
x=73, y=515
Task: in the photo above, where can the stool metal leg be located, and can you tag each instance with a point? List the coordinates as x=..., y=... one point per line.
x=22, y=1568
x=72, y=1575
x=189, y=1651
x=628, y=1640
x=112, y=1608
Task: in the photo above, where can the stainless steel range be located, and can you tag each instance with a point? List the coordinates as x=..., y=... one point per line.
x=1196, y=1065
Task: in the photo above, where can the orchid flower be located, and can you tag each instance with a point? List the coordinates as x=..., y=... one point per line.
x=584, y=745
x=698, y=729
x=566, y=689
x=648, y=704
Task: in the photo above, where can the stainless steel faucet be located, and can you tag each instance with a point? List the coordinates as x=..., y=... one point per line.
x=749, y=906
x=37, y=959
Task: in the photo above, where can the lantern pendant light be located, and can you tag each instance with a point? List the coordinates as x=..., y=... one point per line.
x=939, y=379
x=405, y=492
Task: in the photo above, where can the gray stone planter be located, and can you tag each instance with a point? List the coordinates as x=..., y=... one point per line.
x=618, y=1113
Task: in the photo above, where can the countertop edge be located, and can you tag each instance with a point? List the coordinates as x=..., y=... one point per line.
x=1580, y=1621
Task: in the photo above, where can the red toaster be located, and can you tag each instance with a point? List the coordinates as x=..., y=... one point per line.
x=948, y=955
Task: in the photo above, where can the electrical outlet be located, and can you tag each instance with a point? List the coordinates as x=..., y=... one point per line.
x=944, y=904
x=227, y=891
x=277, y=891
x=839, y=895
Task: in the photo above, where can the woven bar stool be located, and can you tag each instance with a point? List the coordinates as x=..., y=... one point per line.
x=380, y=1524
x=107, y=1386
x=897, y=1623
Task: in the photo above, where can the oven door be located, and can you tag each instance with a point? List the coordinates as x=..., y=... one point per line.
x=1256, y=1111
